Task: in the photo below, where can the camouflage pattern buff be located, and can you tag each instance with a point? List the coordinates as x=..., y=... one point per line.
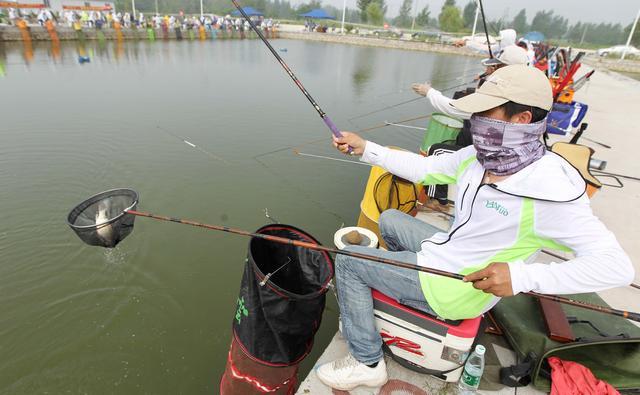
x=505, y=148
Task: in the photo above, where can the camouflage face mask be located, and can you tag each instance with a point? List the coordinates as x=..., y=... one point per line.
x=505, y=148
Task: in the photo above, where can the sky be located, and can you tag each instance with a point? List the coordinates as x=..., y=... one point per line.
x=623, y=11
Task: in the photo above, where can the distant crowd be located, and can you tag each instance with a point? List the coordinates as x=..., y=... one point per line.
x=100, y=19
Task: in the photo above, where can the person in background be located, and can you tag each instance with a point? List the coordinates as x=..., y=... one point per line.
x=530, y=52
x=13, y=16
x=510, y=55
x=41, y=17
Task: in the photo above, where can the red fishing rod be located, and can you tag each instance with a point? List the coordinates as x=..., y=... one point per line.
x=107, y=218
x=334, y=129
x=317, y=247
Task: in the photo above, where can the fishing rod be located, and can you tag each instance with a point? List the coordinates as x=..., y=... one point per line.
x=594, y=141
x=447, y=80
x=486, y=32
x=317, y=247
x=332, y=127
x=547, y=252
x=606, y=173
x=407, y=101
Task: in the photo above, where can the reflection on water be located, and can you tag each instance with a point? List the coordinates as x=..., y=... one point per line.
x=363, y=72
x=154, y=315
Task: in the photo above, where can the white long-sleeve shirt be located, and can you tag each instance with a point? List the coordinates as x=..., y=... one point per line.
x=443, y=104
x=541, y=206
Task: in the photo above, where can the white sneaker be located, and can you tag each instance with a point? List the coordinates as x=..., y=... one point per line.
x=347, y=373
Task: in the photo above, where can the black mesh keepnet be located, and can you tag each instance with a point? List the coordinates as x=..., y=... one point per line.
x=275, y=323
x=101, y=220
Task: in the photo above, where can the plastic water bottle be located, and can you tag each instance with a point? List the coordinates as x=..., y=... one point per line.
x=470, y=379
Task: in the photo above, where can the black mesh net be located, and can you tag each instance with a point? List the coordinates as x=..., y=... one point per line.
x=282, y=297
x=102, y=219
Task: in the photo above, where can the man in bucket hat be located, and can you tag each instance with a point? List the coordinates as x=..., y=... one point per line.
x=514, y=198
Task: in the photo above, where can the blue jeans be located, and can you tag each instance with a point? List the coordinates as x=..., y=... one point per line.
x=356, y=277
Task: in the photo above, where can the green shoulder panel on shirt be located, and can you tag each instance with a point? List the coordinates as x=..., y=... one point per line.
x=454, y=299
x=442, y=179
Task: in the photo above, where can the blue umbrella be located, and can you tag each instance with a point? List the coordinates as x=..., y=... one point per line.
x=249, y=11
x=317, y=13
x=534, y=37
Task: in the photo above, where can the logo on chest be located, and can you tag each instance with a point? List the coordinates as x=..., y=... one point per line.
x=500, y=209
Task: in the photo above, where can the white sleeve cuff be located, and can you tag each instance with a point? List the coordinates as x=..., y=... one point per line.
x=519, y=280
x=374, y=153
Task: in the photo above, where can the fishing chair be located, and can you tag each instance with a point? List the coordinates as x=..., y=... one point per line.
x=579, y=156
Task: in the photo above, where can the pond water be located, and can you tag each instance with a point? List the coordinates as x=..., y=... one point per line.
x=154, y=314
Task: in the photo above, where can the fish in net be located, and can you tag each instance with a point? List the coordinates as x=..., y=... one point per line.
x=103, y=219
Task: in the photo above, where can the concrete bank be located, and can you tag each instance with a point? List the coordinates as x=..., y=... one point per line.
x=625, y=66
x=379, y=42
x=38, y=33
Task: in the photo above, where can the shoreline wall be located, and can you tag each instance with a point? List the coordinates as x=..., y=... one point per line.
x=39, y=33
x=380, y=42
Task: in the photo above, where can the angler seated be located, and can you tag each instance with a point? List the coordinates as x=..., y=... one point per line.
x=514, y=199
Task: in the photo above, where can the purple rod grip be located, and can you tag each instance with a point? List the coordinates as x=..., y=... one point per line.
x=332, y=126
x=334, y=129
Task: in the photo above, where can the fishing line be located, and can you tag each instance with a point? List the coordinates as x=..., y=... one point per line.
x=302, y=192
x=295, y=151
x=270, y=218
x=130, y=212
x=192, y=145
x=407, y=102
x=404, y=126
x=361, y=131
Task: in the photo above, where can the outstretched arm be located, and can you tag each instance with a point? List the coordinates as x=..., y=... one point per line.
x=441, y=169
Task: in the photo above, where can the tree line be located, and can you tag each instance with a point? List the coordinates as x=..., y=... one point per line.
x=451, y=17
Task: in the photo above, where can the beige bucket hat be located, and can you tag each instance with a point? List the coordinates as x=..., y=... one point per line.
x=517, y=83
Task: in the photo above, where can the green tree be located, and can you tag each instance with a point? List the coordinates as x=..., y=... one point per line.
x=520, y=22
x=424, y=17
x=469, y=14
x=362, y=6
x=375, y=14
x=448, y=3
x=552, y=26
x=635, y=40
x=450, y=19
x=306, y=7
x=404, y=16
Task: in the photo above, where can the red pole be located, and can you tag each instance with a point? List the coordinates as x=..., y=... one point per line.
x=312, y=246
